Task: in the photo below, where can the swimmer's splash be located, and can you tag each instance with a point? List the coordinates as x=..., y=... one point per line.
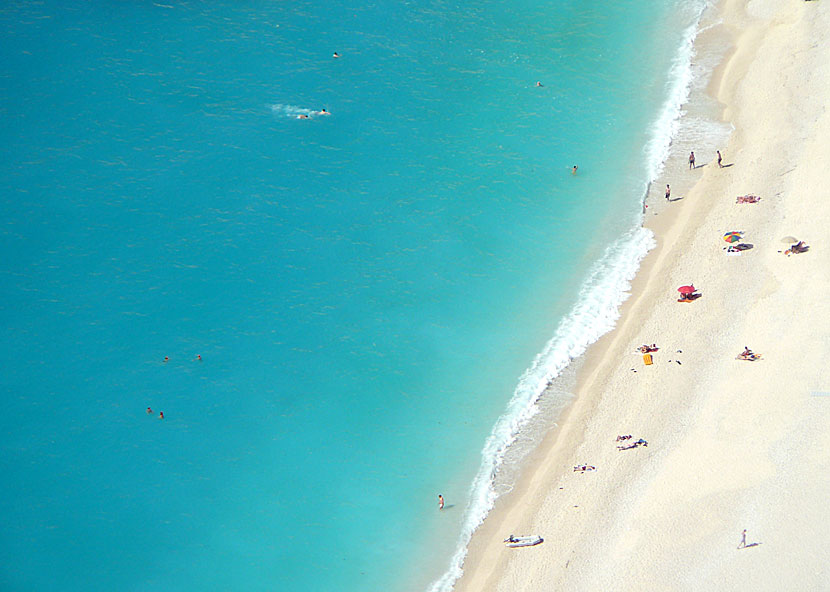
x=293, y=112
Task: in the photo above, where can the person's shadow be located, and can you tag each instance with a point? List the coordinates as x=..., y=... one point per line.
x=749, y=545
x=673, y=199
x=726, y=166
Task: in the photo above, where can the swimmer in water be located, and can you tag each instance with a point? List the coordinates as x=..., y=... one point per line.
x=573, y=170
x=161, y=414
x=149, y=411
x=302, y=116
x=323, y=112
x=166, y=359
x=335, y=55
x=539, y=83
x=199, y=357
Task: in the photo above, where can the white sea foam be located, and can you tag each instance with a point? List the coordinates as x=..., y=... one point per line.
x=294, y=112
x=596, y=312
x=679, y=84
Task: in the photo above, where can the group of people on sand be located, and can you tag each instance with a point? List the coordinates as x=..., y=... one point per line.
x=630, y=445
x=693, y=166
x=692, y=160
x=584, y=468
x=797, y=248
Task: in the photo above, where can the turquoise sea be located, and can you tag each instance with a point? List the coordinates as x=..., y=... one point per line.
x=358, y=309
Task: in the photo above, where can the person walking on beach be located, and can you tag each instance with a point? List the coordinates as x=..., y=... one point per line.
x=440, y=502
x=668, y=192
x=692, y=161
x=742, y=545
x=720, y=160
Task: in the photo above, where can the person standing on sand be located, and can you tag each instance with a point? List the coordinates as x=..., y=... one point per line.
x=691, y=161
x=743, y=540
x=720, y=160
x=440, y=502
x=668, y=192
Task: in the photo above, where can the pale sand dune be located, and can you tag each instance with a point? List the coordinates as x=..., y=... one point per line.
x=733, y=445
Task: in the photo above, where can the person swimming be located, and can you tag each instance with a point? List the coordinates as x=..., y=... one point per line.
x=335, y=55
x=573, y=170
x=323, y=112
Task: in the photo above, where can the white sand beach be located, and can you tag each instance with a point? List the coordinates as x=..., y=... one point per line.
x=732, y=444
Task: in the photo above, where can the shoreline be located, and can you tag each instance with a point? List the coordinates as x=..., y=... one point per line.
x=580, y=514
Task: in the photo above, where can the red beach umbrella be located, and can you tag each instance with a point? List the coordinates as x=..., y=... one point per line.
x=686, y=289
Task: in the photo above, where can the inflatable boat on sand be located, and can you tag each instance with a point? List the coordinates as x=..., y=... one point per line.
x=523, y=541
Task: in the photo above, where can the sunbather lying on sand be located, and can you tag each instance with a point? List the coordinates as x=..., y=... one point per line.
x=748, y=199
x=747, y=354
x=583, y=468
x=621, y=438
x=648, y=348
x=797, y=248
x=636, y=444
